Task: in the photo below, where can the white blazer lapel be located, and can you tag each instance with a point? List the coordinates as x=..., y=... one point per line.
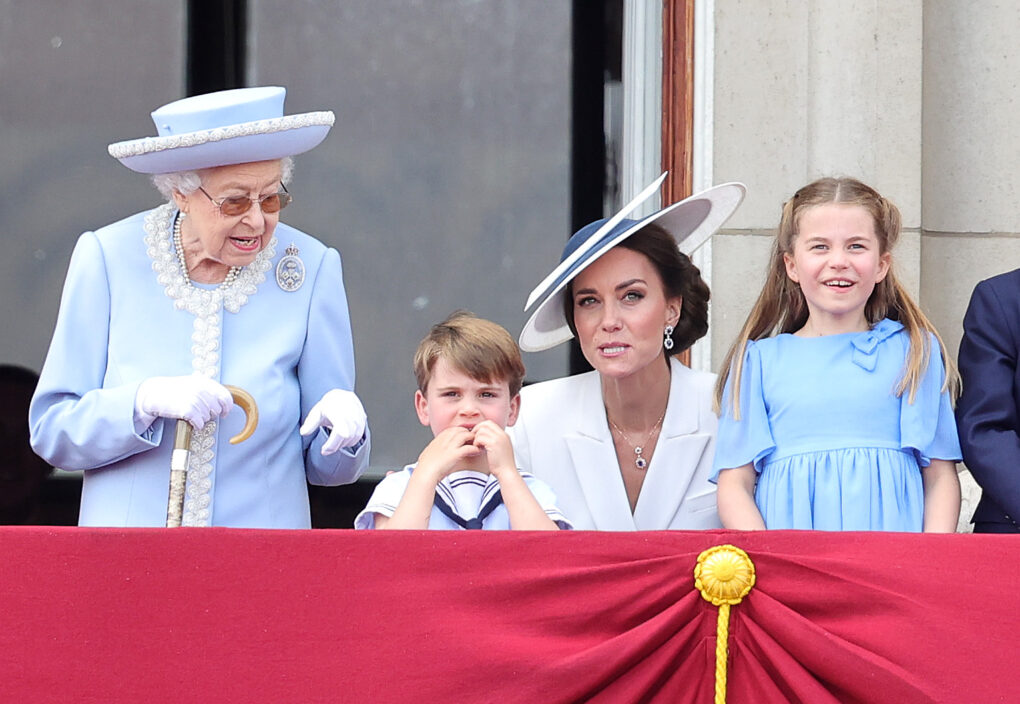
x=594, y=460
x=678, y=454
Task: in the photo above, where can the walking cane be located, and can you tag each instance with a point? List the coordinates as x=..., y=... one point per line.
x=182, y=446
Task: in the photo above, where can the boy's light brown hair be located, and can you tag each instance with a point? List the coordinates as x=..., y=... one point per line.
x=480, y=348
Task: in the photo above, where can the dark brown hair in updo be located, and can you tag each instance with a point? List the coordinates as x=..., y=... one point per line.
x=679, y=277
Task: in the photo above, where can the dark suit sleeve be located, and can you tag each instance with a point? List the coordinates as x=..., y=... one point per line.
x=987, y=413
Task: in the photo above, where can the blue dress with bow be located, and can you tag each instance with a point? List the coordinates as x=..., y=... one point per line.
x=835, y=448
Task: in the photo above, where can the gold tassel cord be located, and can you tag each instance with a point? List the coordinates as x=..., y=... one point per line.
x=724, y=575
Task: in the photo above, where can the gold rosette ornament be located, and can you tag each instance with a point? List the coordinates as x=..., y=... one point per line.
x=724, y=575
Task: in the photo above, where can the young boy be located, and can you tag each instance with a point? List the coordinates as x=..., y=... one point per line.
x=469, y=373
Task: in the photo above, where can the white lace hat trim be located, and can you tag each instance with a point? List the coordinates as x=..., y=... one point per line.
x=149, y=145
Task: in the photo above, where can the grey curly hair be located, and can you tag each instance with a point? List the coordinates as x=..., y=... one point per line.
x=187, y=182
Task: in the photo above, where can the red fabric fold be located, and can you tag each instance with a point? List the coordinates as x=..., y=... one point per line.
x=112, y=615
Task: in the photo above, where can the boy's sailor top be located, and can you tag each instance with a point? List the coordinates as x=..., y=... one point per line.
x=464, y=500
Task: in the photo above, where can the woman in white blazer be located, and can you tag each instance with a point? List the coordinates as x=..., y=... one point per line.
x=627, y=446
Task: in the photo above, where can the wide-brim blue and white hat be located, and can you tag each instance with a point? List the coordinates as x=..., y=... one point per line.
x=227, y=127
x=692, y=222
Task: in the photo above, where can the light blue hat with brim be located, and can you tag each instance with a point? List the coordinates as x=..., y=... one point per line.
x=691, y=222
x=227, y=127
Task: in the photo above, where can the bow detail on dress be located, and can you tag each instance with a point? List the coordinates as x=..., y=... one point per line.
x=865, y=353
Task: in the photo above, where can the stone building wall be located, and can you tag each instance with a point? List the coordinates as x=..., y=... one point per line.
x=916, y=98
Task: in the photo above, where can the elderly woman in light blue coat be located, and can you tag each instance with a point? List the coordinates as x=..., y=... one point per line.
x=162, y=308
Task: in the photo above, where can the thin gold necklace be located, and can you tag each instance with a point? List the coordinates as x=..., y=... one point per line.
x=639, y=461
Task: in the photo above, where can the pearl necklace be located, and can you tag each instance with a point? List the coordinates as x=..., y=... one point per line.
x=639, y=461
x=179, y=246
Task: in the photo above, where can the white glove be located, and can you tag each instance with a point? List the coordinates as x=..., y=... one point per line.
x=196, y=399
x=342, y=412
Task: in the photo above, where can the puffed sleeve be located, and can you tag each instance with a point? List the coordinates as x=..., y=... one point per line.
x=327, y=362
x=987, y=412
x=927, y=426
x=384, y=500
x=75, y=422
x=546, y=498
x=748, y=440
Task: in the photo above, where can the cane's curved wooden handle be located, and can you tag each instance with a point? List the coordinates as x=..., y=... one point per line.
x=251, y=411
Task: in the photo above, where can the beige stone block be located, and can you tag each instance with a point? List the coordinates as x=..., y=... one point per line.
x=864, y=107
x=896, y=135
x=907, y=262
x=739, y=260
x=951, y=266
x=971, y=145
x=804, y=90
x=760, y=81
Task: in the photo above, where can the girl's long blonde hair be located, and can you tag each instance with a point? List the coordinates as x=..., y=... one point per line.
x=781, y=307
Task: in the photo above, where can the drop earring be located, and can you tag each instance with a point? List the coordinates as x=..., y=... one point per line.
x=667, y=337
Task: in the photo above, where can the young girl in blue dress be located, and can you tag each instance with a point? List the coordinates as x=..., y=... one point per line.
x=835, y=400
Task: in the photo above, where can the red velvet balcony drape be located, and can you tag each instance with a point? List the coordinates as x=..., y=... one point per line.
x=218, y=615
